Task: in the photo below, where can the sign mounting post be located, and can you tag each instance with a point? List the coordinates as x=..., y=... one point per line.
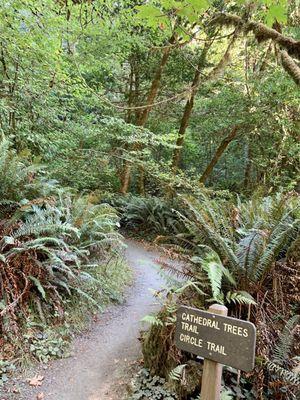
x=219, y=339
x=212, y=371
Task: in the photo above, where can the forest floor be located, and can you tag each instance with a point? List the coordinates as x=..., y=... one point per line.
x=104, y=358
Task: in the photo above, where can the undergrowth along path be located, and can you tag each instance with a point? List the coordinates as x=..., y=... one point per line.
x=102, y=355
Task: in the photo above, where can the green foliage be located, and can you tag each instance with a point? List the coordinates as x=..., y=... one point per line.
x=262, y=234
x=280, y=366
x=6, y=368
x=97, y=224
x=226, y=242
x=75, y=79
x=215, y=271
x=271, y=10
x=267, y=228
x=45, y=346
x=150, y=387
x=151, y=319
x=177, y=372
x=15, y=173
x=283, y=373
x=149, y=214
x=283, y=346
x=45, y=248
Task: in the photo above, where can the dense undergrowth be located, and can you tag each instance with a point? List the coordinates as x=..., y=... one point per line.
x=242, y=254
x=60, y=262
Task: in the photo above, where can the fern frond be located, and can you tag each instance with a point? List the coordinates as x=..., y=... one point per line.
x=176, y=373
x=285, y=341
x=286, y=375
x=249, y=250
x=277, y=241
x=152, y=320
x=215, y=270
x=214, y=239
x=240, y=297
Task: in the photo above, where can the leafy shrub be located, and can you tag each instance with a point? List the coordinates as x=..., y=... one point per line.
x=6, y=368
x=150, y=387
x=44, y=346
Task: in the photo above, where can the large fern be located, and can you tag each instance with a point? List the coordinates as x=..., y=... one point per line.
x=44, y=249
x=213, y=238
x=14, y=173
x=265, y=229
x=281, y=364
x=281, y=352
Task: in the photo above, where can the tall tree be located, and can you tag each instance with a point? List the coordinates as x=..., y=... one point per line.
x=218, y=154
x=189, y=107
x=213, y=75
x=144, y=114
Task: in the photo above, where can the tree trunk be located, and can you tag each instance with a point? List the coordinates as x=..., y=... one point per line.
x=125, y=178
x=213, y=75
x=155, y=84
x=247, y=174
x=189, y=108
x=123, y=173
x=143, y=117
x=130, y=93
x=220, y=150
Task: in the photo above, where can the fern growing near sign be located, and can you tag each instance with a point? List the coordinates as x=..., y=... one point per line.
x=239, y=297
x=280, y=364
x=177, y=372
x=283, y=373
x=248, y=251
x=283, y=346
x=198, y=222
x=218, y=279
x=152, y=320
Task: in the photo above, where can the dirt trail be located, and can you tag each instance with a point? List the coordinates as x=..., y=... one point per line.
x=101, y=355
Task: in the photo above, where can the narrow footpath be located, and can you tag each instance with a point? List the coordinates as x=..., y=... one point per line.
x=102, y=355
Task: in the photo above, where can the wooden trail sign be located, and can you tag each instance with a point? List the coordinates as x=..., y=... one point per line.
x=219, y=340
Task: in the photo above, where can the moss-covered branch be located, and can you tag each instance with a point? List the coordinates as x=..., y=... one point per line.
x=290, y=66
x=261, y=32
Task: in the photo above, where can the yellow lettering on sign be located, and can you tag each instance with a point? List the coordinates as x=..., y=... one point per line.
x=191, y=340
x=235, y=330
x=203, y=321
x=216, y=348
x=189, y=327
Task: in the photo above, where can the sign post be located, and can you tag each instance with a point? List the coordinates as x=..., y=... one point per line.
x=212, y=371
x=219, y=339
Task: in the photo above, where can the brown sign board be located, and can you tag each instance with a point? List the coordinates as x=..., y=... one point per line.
x=225, y=340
